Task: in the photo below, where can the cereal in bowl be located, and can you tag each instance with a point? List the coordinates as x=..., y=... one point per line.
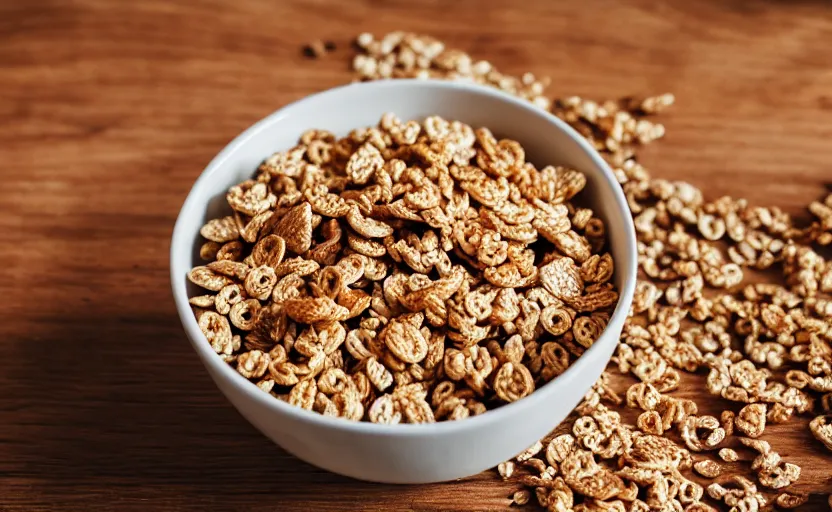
x=407, y=273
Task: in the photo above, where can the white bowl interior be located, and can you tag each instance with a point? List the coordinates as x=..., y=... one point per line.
x=440, y=450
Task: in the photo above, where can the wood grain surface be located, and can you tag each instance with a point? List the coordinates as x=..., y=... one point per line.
x=109, y=111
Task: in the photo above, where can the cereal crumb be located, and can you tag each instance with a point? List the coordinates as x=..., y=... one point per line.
x=707, y=468
x=521, y=497
x=317, y=49
x=788, y=500
x=690, y=307
x=728, y=455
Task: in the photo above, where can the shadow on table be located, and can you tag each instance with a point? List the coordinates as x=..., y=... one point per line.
x=109, y=409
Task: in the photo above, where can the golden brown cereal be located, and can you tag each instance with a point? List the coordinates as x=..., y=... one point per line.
x=314, y=309
x=404, y=339
x=513, y=382
x=220, y=230
x=231, y=251
x=650, y=422
x=689, y=310
x=728, y=455
x=707, y=468
x=378, y=374
x=702, y=432
x=558, y=448
x=250, y=231
x=208, y=251
x=243, y=314
x=788, y=500
x=253, y=364
x=260, y=281
x=234, y=269
x=506, y=469
x=405, y=254
x=269, y=251
x=521, y=497
x=208, y=279
x=751, y=420
x=202, y=301
x=217, y=331
x=583, y=474
x=303, y=394
x=529, y=452
x=385, y=410
x=295, y=228
x=821, y=428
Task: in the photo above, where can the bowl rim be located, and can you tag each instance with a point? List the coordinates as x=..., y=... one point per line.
x=539, y=395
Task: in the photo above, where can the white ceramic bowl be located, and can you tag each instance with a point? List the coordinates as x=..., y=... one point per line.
x=408, y=453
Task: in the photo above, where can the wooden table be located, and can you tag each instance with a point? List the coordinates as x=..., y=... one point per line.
x=110, y=110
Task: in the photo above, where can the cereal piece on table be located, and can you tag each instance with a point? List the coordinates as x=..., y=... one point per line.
x=728, y=455
x=707, y=468
x=788, y=500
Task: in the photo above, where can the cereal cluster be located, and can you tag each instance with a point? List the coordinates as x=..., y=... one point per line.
x=405, y=273
x=403, y=55
x=765, y=346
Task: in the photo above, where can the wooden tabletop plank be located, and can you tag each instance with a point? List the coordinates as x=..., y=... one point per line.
x=110, y=110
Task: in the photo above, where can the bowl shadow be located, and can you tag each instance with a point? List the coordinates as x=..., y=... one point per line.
x=105, y=409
